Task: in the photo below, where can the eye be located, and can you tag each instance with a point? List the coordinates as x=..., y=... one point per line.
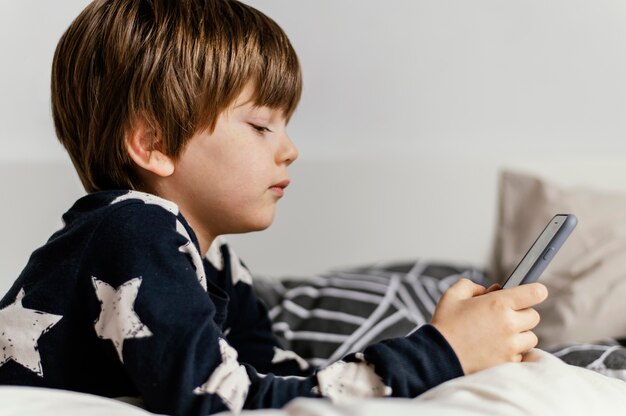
x=260, y=129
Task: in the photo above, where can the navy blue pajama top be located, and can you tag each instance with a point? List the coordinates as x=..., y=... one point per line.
x=119, y=302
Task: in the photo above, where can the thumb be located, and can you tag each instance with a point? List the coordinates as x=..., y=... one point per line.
x=465, y=289
x=493, y=288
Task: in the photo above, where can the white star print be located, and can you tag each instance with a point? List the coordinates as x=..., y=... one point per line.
x=118, y=320
x=214, y=255
x=148, y=199
x=239, y=272
x=20, y=329
x=230, y=380
x=282, y=355
x=188, y=248
x=344, y=382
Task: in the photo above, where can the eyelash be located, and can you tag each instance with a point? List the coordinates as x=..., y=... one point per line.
x=260, y=129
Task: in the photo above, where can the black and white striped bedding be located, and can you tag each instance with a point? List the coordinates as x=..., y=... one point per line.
x=323, y=317
x=607, y=357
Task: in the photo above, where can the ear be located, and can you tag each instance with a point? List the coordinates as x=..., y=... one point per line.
x=142, y=147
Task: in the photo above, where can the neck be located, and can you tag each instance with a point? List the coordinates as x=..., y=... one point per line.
x=204, y=238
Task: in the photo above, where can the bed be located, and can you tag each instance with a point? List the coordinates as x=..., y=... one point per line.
x=543, y=385
x=580, y=367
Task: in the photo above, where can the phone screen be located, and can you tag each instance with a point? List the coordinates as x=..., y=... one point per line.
x=536, y=251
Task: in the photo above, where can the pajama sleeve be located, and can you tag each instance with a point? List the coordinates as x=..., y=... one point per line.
x=148, y=303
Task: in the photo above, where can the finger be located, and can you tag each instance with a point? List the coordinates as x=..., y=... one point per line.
x=493, y=288
x=528, y=295
x=531, y=356
x=526, y=341
x=465, y=289
x=527, y=319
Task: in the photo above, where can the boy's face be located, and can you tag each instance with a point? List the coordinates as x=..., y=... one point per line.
x=229, y=181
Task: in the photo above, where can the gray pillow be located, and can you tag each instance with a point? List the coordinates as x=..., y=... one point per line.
x=587, y=278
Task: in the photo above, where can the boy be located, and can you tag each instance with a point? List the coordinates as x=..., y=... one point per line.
x=174, y=116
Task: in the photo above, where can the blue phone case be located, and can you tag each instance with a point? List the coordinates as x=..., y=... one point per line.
x=548, y=253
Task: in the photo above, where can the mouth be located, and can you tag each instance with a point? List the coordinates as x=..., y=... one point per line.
x=279, y=188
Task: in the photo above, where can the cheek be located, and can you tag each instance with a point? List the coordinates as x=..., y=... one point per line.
x=248, y=167
x=227, y=178
x=233, y=185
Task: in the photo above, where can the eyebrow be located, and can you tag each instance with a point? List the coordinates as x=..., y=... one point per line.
x=255, y=107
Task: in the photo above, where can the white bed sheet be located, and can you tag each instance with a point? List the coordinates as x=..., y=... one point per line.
x=543, y=385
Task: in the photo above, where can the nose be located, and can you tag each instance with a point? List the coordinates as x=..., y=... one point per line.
x=288, y=152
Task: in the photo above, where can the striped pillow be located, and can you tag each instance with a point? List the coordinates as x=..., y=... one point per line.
x=324, y=317
x=607, y=357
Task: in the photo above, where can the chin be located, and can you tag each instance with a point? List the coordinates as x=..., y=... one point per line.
x=259, y=223
x=263, y=225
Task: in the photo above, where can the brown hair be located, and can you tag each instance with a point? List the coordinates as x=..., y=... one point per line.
x=176, y=64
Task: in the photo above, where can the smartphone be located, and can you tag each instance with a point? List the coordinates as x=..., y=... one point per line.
x=542, y=251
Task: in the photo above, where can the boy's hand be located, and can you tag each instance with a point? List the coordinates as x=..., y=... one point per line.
x=490, y=329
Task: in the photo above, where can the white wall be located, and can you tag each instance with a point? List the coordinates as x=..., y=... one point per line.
x=29, y=32
x=457, y=78
x=433, y=94
x=441, y=78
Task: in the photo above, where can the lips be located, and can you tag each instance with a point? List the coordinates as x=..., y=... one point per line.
x=281, y=184
x=279, y=188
